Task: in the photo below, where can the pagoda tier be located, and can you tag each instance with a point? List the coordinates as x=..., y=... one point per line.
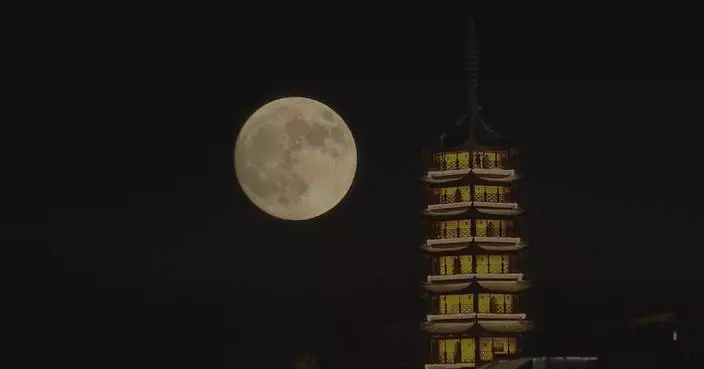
x=485, y=165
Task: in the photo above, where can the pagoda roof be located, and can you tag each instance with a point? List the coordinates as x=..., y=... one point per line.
x=506, y=364
x=479, y=175
x=474, y=286
x=472, y=244
x=474, y=208
x=479, y=326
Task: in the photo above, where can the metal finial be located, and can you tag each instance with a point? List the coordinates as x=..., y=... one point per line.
x=473, y=73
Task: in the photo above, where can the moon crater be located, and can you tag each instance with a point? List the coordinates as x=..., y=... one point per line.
x=295, y=158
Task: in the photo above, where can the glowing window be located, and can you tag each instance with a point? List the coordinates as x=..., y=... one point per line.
x=466, y=304
x=494, y=228
x=448, y=350
x=447, y=265
x=463, y=160
x=486, y=353
x=468, y=350
x=466, y=264
x=450, y=160
x=484, y=303
x=456, y=304
x=482, y=264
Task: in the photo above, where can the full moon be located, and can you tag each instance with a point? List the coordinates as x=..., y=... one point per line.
x=295, y=158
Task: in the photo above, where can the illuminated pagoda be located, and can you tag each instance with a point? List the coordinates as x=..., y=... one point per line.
x=473, y=245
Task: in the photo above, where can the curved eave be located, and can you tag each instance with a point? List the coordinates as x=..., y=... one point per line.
x=485, y=243
x=455, y=318
x=506, y=326
x=507, y=364
x=446, y=248
x=501, y=248
x=446, y=212
x=446, y=327
x=455, y=248
x=495, y=175
x=450, y=366
x=499, y=211
x=446, y=288
x=438, y=278
x=477, y=207
x=480, y=326
x=443, y=288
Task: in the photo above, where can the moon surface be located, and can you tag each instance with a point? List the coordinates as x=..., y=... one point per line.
x=295, y=158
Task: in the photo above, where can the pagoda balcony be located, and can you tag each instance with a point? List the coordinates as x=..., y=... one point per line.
x=468, y=159
x=495, y=309
x=487, y=165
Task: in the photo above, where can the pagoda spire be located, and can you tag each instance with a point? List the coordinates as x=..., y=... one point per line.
x=470, y=123
x=473, y=76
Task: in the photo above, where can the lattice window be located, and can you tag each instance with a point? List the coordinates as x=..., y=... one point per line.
x=497, y=303
x=477, y=159
x=489, y=159
x=464, y=227
x=484, y=303
x=452, y=304
x=468, y=350
x=447, y=265
x=486, y=353
x=508, y=303
x=449, y=195
x=455, y=304
x=463, y=160
x=450, y=160
x=512, y=345
x=451, y=229
x=489, y=347
x=467, y=304
x=479, y=191
x=480, y=227
x=448, y=350
x=466, y=264
x=482, y=264
x=463, y=195
x=494, y=228
x=496, y=264
x=492, y=194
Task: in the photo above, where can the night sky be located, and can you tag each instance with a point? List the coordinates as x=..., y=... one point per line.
x=163, y=261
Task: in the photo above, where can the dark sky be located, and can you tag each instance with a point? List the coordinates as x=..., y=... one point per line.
x=163, y=258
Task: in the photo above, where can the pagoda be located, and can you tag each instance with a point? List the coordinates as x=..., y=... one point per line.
x=473, y=244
